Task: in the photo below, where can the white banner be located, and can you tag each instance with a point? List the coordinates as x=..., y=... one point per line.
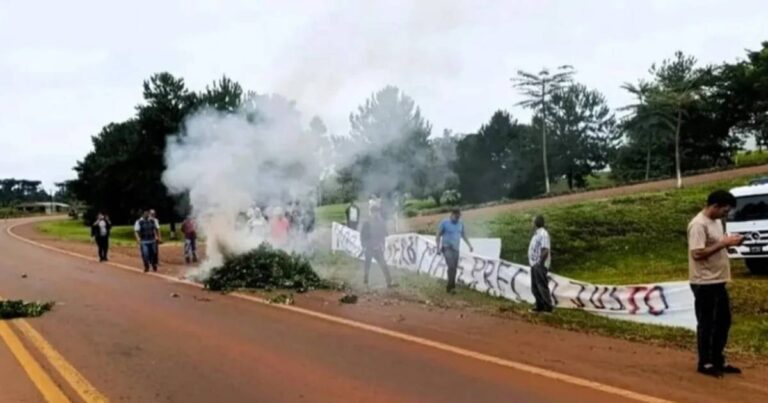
x=668, y=303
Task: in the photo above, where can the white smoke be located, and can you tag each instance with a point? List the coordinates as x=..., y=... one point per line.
x=228, y=162
x=261, y=155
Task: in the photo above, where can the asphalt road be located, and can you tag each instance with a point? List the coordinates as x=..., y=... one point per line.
x=130, y=339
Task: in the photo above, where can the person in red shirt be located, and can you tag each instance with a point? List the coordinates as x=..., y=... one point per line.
x=279, y=226
x=189, y=229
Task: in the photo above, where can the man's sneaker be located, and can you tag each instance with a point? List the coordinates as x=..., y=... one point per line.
x=154, y=269
x=711, y=370
x=730, y=369
x=146, y=269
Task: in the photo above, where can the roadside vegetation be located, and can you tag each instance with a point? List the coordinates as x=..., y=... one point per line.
x=750, y=158
x=12, y=309
x=74, y=230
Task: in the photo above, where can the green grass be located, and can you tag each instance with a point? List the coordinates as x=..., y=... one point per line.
x=632, y=239
x=330, y=213
x=597, y=181
x=74, y=230
x=750, y=158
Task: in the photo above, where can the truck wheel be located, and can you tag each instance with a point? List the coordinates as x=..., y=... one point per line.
x=757, y=266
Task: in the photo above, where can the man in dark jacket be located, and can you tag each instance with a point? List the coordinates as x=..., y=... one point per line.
x=147, y=235
x=373, y=237
x=100, y=234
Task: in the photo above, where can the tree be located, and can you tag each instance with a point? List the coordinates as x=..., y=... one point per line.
x=498, y=161
x=223, y=95
x=583, y=132
x=111, y=178
x=124, y=171
x=538, y=88
x=679, y=84
x=648, y=120
x=441, y=176
x=388, y=144
x=14, y=191
x=743, y=89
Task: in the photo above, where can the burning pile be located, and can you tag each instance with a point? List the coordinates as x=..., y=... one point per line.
x=264, y=268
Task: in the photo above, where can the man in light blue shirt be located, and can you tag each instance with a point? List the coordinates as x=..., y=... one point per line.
x=450, y=232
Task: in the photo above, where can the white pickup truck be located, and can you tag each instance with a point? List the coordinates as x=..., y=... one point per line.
x=750, y=219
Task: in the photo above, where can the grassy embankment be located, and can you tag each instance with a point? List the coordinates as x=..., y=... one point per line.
x=626, y=240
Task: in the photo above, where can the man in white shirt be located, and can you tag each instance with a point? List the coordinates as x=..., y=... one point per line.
x=540, y=259
x=353, y=215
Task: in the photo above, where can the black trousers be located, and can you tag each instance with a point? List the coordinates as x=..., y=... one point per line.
x=102, y=242
x=156, y=258
x=540, y=288
x=713, y=314
x=378, y=254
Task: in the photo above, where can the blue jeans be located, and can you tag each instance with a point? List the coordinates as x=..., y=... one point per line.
x=148, y=254
x=190, y=250
x=451, y=256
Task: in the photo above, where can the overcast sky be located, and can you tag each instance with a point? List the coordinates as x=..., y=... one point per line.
x=67, y=68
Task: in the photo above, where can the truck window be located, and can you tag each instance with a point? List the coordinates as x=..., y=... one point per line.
x=750, y=208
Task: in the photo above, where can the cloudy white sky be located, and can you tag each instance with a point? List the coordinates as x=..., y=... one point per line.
x=69, y=67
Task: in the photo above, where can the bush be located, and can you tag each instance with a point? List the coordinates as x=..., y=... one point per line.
x=264, y=268
x=19, y=309
x=451, y=197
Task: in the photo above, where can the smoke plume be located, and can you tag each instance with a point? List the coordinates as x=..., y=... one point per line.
x=230, y=162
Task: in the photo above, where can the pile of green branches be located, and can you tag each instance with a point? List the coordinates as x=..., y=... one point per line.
x=11, y=309
x=264, y=268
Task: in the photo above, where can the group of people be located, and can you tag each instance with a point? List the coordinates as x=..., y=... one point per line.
x=280, y=224
x=450, y=233
x=708, y=263
x=148, y=235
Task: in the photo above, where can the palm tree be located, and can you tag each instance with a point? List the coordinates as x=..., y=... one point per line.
x=680, y=85
x=538, y=89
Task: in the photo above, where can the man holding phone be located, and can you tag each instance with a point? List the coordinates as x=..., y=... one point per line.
x=709, y=270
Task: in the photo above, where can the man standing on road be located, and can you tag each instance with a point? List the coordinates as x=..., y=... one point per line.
x=450, y=232
x=189, y=229
x=709, y=270
x=153, y=216
x=540, y=259
x=373, y=237
x=147, y=235
x=100, y=234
